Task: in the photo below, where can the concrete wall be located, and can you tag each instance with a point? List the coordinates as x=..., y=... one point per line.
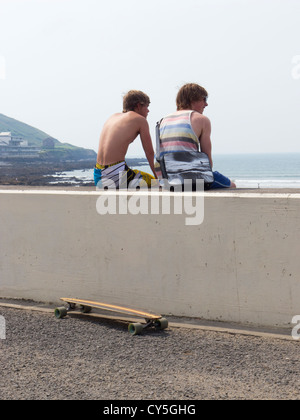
x=241, y=264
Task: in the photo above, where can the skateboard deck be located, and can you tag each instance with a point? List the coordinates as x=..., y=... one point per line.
x=152, y=320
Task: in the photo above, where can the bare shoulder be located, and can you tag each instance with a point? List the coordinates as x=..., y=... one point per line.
x=138, y=120
x=130, y=117
x=200, y=118
x=201, y=124
x=113, y=118
x=135, y=116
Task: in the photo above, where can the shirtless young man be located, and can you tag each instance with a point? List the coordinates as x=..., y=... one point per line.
x=118, y=132
x=188, y=129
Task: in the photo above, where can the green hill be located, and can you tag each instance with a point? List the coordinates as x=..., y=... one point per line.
x=36, y=137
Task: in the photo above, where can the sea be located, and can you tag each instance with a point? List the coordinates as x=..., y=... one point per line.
x=246, y=170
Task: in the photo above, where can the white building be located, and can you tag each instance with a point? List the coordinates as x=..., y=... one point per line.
x=6, y=139
x=16, y=147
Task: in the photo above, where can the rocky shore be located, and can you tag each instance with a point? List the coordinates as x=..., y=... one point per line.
x=37, y=173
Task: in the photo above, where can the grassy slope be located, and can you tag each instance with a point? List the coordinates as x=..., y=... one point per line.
x=35, y=137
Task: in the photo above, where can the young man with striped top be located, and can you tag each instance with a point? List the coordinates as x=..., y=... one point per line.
x=188, y=129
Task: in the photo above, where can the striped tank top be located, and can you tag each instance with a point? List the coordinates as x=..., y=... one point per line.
x=176, y=135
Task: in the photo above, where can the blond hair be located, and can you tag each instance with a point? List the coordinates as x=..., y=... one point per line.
x=191, y=92
x=133, y=98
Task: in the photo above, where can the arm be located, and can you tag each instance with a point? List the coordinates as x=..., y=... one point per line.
x=202, y=128
x=205, y=140
x=147, y=144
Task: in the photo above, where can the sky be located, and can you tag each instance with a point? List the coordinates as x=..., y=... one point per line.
x=65, y=65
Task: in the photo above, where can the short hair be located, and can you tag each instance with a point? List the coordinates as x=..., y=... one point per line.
x=133, y=98
x=191, y=92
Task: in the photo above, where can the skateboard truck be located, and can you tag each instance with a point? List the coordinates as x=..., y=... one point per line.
x=85, y=306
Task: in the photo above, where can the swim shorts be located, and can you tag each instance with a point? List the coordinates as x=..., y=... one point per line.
x=220, y=181
x=119, y=175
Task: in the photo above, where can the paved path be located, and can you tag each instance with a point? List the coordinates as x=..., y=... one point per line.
x=84, y=357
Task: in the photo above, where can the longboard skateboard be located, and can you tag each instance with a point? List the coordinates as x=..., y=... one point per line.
x=152, y=320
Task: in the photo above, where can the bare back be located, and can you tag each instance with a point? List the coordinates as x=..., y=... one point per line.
x=118, y=132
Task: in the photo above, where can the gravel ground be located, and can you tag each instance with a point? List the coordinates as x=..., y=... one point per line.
x=81, y=357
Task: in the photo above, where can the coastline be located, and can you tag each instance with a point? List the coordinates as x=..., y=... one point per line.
x=36, y=173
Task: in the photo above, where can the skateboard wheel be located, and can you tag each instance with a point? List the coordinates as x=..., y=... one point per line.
x=60, y=312
x=162, y=323
x=135, y=329
x=85, y=309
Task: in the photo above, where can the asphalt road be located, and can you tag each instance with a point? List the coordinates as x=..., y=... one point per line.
x=84, y=357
